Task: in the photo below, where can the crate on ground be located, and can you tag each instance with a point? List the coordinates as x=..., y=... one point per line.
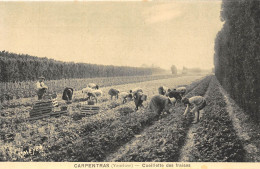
x=88, y=109
x=42, y=107
x=55, y=102
x=46, y=109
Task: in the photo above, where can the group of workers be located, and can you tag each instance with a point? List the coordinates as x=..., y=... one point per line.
x=178, y=94
x=197, y=102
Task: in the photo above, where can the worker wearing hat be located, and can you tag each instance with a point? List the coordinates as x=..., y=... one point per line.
x=41, y=87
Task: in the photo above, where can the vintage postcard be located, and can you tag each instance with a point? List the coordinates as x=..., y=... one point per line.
x=129, y=84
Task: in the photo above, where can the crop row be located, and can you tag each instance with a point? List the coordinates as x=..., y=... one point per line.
x=58, y=136
x=215, y=139
x=162, y=141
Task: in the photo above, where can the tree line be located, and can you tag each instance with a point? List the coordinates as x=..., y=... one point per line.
x=23, y=67
x=237, y=53
x=186, y=70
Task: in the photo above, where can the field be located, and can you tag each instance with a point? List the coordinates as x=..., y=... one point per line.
x=118, y=133
x=10, y=93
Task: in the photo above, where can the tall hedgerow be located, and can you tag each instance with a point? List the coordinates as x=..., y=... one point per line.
x=237, y=53
x=23, y=67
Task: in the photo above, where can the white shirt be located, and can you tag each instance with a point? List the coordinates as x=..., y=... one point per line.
x=41, y=85
x=196, y=100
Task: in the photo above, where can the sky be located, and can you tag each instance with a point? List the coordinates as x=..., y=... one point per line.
x=132, y=33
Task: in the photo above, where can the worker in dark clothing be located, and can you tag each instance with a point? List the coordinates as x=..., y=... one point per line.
x=67, y=94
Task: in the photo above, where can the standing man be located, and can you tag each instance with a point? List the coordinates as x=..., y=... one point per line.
x=198, y=103
x=41, y=87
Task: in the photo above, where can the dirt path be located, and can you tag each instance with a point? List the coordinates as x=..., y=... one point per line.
x=186, y=149
x=237, y=116
x=124, y=149
x=185, y=152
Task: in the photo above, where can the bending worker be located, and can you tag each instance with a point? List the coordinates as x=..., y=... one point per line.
x=198, y=103
x=67, y=94
x=41, y=88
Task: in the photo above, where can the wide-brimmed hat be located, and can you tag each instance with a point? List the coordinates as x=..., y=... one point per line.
x=41, y=77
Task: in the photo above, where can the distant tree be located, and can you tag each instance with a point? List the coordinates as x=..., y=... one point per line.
x=174, y=69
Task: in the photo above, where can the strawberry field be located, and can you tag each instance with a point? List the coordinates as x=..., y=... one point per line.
x=119, y=133
x=10, y=93
x=215, y=138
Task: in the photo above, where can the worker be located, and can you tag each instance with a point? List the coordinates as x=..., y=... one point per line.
x=198, y=103
x=41, y=87
x=67, y=94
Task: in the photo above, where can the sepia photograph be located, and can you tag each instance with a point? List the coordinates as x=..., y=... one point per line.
x=130, y=84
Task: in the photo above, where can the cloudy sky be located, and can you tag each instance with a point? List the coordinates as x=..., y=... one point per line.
x=162, y=33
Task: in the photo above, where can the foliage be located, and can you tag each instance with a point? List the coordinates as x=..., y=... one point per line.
x=215, y=138
x=114, y=104
x=21, y=67
x=237, y=59
x=125, y=110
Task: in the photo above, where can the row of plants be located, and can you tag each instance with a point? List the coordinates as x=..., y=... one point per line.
x=23, y=67
x=57, y=136
x=215, y=139
x=162, y=141
x=159, y=143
